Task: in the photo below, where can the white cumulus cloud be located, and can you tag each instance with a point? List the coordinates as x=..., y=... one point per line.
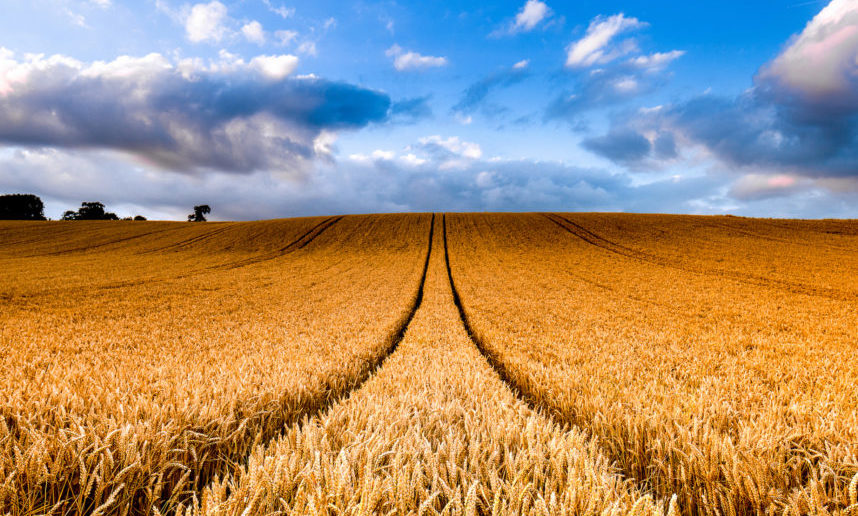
x=403, y=60
x=206, y=22
x=530, y=15
x=275, y=67
x=412, y=160
x=594, y=47
x=279, y=10
x=656, y=61
x=254, y=32
x=823, y=60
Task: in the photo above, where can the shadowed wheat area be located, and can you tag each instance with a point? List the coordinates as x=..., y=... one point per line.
x=430, y=364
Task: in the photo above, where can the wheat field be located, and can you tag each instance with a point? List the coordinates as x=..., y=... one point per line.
x=430, y=364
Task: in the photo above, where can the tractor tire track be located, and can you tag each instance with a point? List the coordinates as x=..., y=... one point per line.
x=216, y=448
x=630, y=439
x=84, y=249
x=761, y=236
x=189, y=241
x=68, y=229
x=495, y=361
x=528, y=394
x=299, y=243
x=266, y=429
x=604, y=244
x=839, y=227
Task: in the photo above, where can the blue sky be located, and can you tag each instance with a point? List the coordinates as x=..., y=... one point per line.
x=270, y=108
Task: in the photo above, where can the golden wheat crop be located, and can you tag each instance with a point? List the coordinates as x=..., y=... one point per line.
x=420, y=364
x=436, y=431
x=713, y=357
x=181, y=354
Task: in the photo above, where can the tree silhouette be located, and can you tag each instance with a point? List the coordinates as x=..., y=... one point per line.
x=90, y=211
x=21, y=207
x=199, y=214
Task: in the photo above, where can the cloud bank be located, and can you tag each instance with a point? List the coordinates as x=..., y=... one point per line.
x=436, y=172
x=229, y=115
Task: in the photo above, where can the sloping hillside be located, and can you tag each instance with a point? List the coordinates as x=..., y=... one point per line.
x=467, y=363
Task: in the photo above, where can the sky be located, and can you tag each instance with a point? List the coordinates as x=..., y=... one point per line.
x=281, y=108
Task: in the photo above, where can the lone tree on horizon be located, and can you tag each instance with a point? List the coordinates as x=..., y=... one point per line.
x=90, y=211
x=199, y=214
x=21, y=207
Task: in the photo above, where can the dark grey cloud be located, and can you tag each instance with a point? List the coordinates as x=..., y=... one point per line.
x=664, y=146
x=758, y=130
x=411, y=109
x=476, y=95
x=620, y=145
x=626, y=145
x=755, y=131
x=234, y=116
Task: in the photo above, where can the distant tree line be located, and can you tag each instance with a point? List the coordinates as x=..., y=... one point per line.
x=94, y=211
x=31, y=207
x=90, y=211
x=21, y=207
